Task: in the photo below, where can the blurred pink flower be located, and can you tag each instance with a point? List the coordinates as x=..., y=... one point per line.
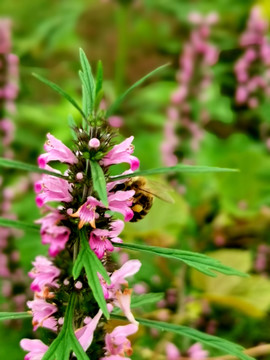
x=116, y=342
x=42, y=312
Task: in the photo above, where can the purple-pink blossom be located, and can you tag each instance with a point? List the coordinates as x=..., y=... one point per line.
x=36, y=349
x=42, y=314
x=52, y=234
x=87, y=212
x=56, y=150
x=52, y=188
x=100, y=239
x=121, y=153
x=44, y=274
x=121, y=202
x=116, y=342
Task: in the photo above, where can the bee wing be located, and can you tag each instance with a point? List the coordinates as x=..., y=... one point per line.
x=159, y=190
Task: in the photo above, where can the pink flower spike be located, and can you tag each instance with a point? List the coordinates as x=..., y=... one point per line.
x=123, y=301
x=116, y=343
x=44, y=274
x=36, y=349
x=86, y=333
x=196, y=352
x=121, y=153
x=56, y=150
x=87, y=212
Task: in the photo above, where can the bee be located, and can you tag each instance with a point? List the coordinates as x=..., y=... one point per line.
x=145, y=192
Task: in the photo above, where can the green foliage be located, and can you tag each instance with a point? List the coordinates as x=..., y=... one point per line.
x=61, y=92
x=88, y=85
x=89, y=261
x=18, y=224
x=200, y=262
x=225, y=346
x=99, y=181
x=18, y=165
x=174, y=169
x=114, y=107
x=66, y=341
x=13, y=316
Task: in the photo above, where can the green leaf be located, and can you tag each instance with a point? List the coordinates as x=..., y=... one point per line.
x=99, y=78
x=60, y=91
x=86, y=97
x=112, y=109
x=88, y=260
x=99, y=181
x=88, y=82
x=18, y=224
x=224, y=345
x=99, y=82
x=140, y=300
x=13, y=164
x=201, y=262
x=66, y=341
x=12, y=316
x=174, y=169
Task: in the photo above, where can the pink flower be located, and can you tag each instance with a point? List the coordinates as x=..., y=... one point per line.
x=36, y=349
x=56, y=150
x=44, y=274
x=56, y=236
x=121, y=202
x=87, y=212
x=116, y=343
x=42, y=312
x=121, y=153
x=196, y=352
x=52, y=188
x=99, y=241
x=172, y=353
x=123, y=301
x=86, y=333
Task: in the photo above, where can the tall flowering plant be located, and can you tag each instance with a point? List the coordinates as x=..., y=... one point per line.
x=76, y=291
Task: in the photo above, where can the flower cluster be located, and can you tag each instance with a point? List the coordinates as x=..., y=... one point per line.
x=13, y=281
x=252, y=69
x=194, y=77
x=79, y=209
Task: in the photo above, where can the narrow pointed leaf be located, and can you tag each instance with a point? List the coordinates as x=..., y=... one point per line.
x=18, y=224
x=66, y=342
x=14, y=315
x=18, y=165
x=99, y=181
x=88, y=260
x=86, y=97
x=113, y=108
x=60, y=91
x=223, y=345
x=89, y=81
x=200, y=262
x=174, y=169
x=99, y=82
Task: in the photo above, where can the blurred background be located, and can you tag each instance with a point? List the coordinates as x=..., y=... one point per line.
x=210, y=106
